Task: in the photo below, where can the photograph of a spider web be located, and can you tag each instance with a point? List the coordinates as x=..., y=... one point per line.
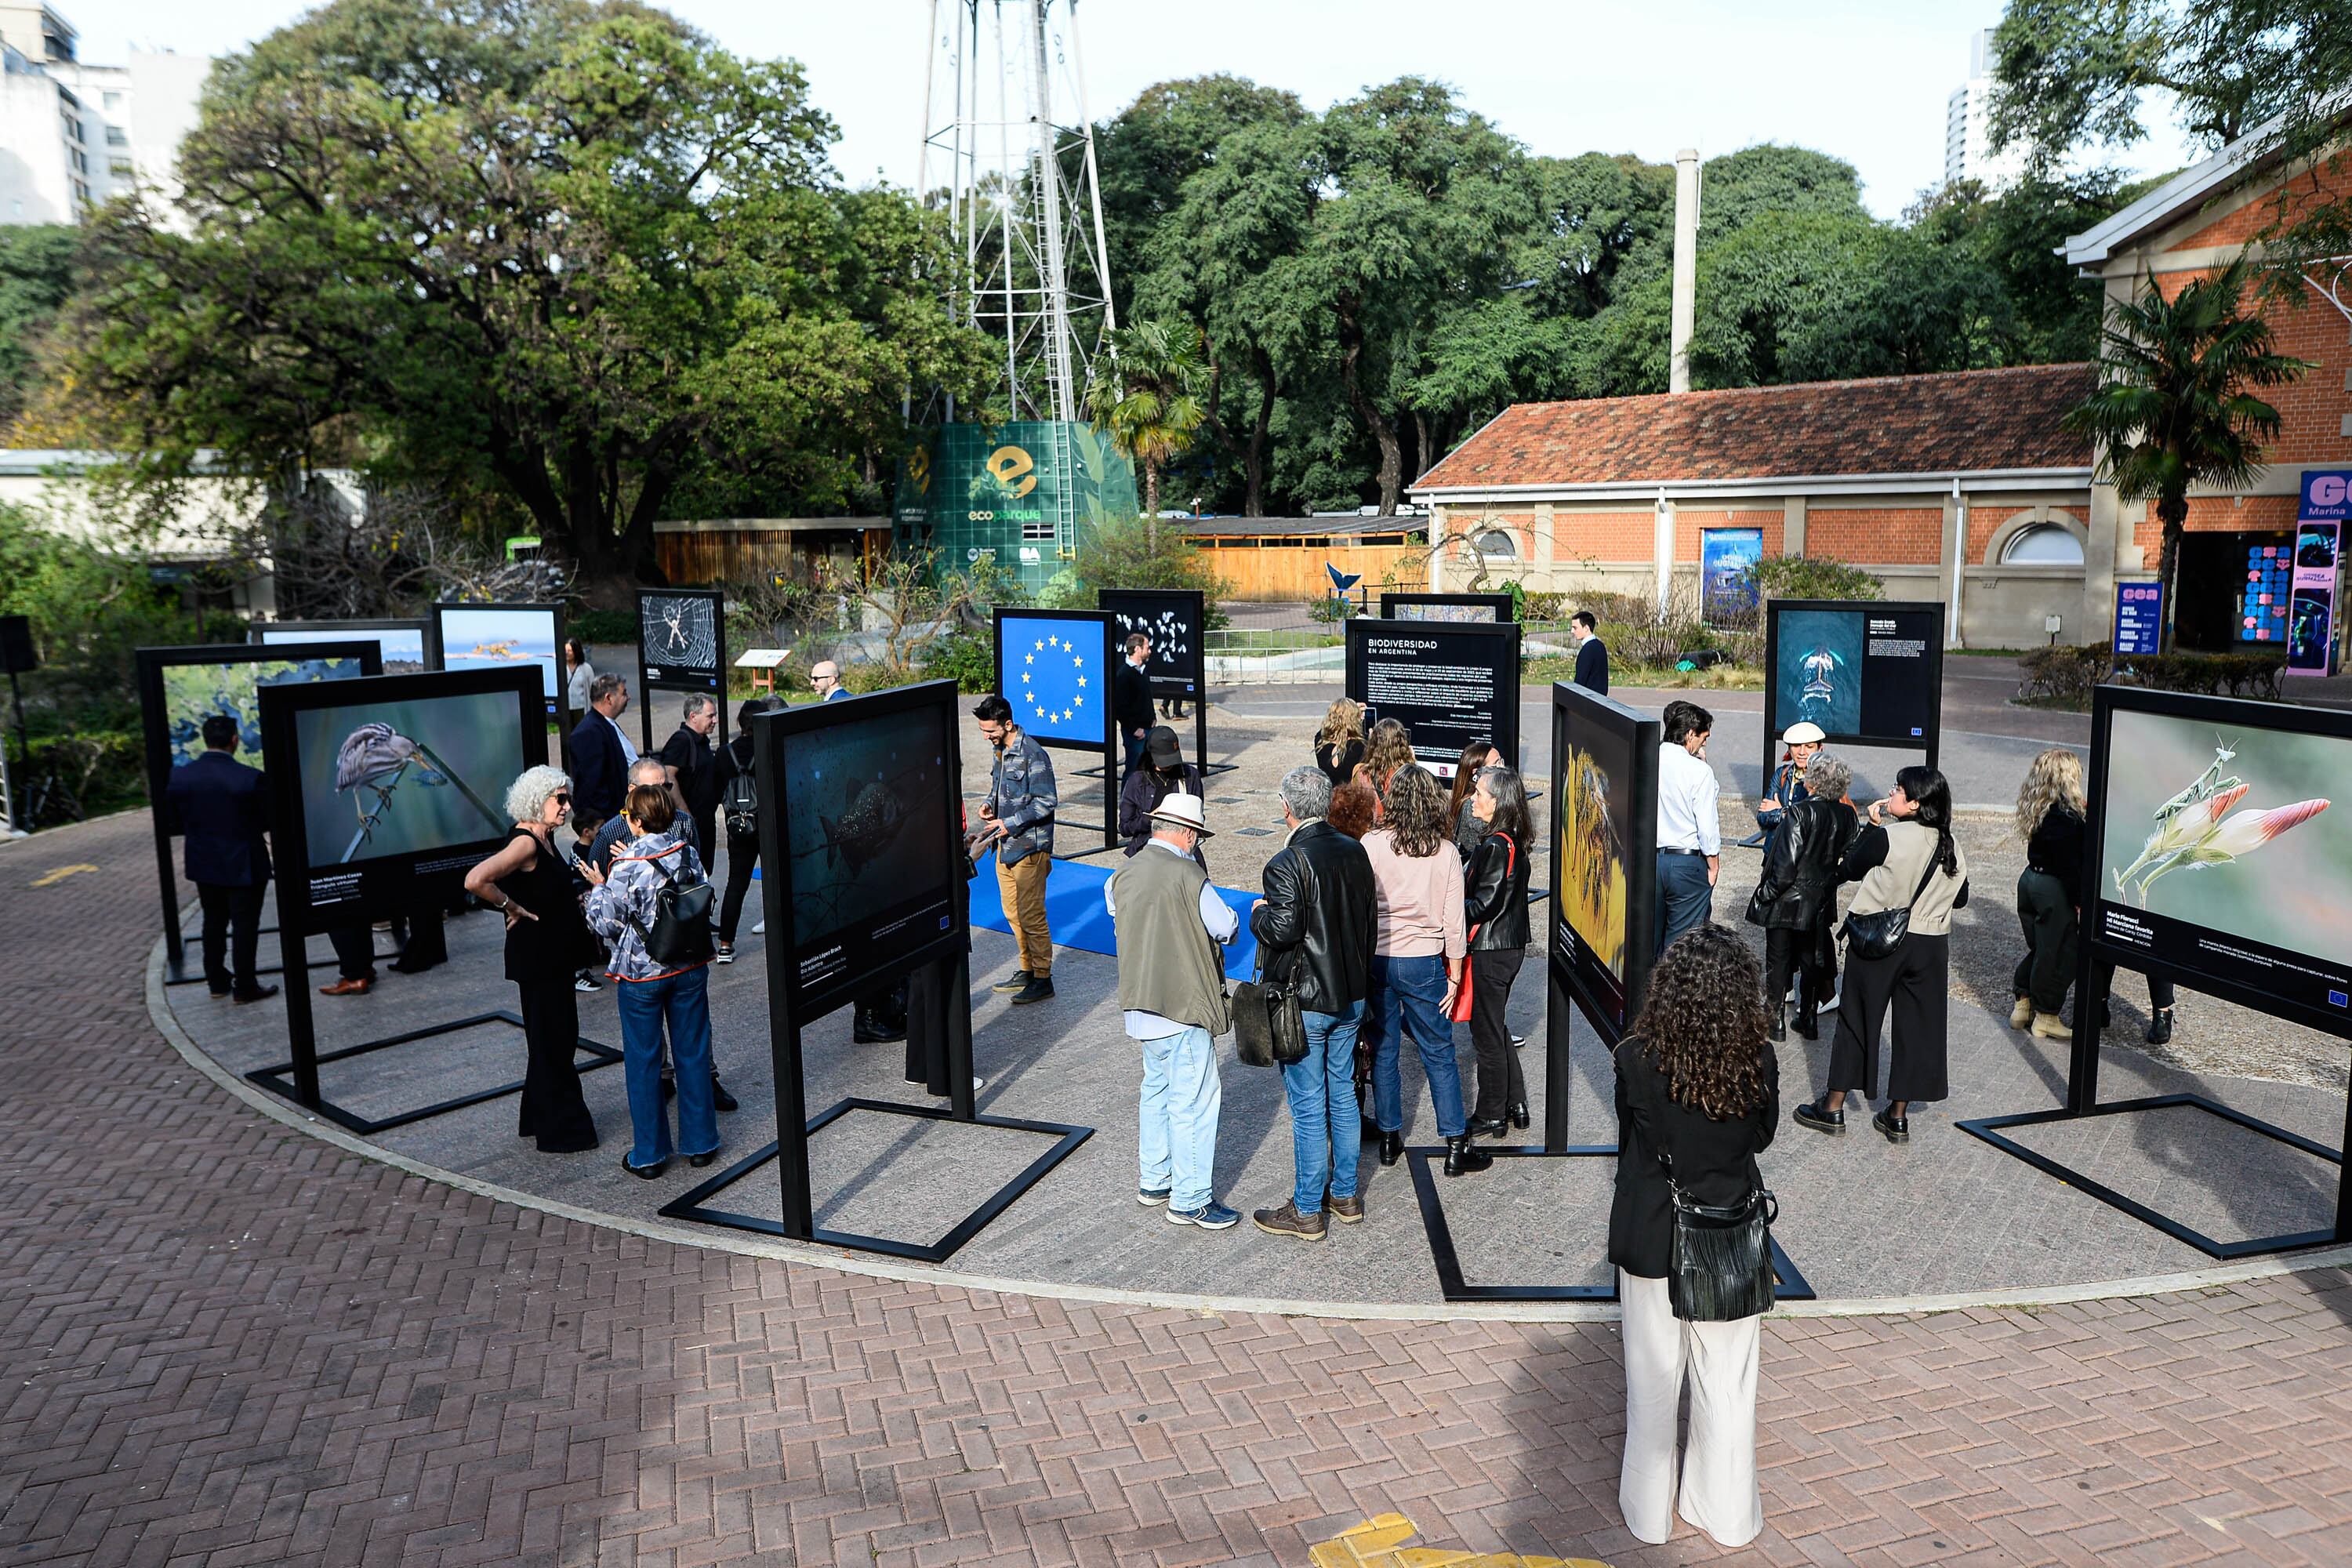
x=679, y=633
x=864, y=800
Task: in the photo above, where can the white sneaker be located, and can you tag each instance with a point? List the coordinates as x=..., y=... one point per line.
x=760, y=929
x=582, y=984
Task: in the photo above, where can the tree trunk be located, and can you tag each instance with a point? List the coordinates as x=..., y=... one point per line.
x=2172, y=510
x=1253, y=457
x=1351, y=344
x=1151, y=491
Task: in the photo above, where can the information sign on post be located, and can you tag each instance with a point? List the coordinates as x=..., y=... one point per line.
x=2319, y=541
x=1447, y=682
x=2139, y=619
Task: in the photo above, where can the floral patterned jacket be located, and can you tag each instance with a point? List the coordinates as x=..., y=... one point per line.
x=622, y=911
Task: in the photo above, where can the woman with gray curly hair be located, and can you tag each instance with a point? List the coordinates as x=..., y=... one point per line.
x=547, y=941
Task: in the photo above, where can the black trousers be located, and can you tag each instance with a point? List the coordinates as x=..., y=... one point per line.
x=1807, y=953
x=742, y=859
x=2160, y=990
x=422, y=942
x=354, y=952
x=1914, y=984
x=232, y=935
x=2051, y=935
x=553, y=1110
x=1500, y=1083
x=936, y=1007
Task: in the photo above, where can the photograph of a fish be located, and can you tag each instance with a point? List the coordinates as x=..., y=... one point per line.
x=865, y=828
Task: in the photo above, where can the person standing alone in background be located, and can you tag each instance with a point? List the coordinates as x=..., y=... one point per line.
x=1591, y=653
x=1690, y=833
x=1130, y=700
x=1018, y=822
x=221, y=807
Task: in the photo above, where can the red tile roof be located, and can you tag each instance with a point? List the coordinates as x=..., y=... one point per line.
x=1967, y=421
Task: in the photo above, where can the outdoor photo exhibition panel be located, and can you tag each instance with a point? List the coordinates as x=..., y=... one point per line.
x=1487, y=607
x=861, y=840
x=681, y=647
x=1176, y=620
x=1604, y=763
x=1869, y=674
x=1054, y=667
x=406, y=646
x=387, y=791
x=2214, y=861
x=1448, y=682
x=179, y=688
x=506, y=637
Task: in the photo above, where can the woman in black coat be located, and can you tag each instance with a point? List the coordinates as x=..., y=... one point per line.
x=1796, y=897
x=1165, y=772
x=1494, y=913
x=1697, y=1081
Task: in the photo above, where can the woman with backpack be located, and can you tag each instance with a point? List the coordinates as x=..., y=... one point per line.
x=655, y=910
x=739, y=818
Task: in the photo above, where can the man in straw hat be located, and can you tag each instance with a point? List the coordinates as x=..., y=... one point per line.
x=1172, y=986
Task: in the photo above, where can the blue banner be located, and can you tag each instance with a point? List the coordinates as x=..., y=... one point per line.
x=1724, y=557
x=2140, y=618
x=1052, y=672
x=2327, y=496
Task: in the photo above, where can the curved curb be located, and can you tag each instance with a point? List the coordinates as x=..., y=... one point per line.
x=710, y=1240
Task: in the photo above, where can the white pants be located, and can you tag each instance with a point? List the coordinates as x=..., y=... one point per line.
x=1719, y=1493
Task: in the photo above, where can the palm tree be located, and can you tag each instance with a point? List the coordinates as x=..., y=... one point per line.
x=2173, y=407
x=1150, y=405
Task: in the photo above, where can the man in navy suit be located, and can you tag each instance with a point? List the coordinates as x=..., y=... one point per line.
x=222, y=809
x=601, y=754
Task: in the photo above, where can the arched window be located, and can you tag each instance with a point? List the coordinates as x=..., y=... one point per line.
x=1497, y=544
x=2042, y=544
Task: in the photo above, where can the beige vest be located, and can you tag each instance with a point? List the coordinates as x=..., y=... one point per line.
x=1888, y=885
x=1168, y=962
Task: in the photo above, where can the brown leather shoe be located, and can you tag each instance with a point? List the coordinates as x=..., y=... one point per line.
x=1287, y=1221
x=357, y=987
x=1346, y=1211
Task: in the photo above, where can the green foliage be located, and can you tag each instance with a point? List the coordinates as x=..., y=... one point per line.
x=966, y=657
x=2064, y=677
x=37, y=274
x=1811, y=577
x=603, y=627
x=1148, y=403
x=2077, y=73
x=1133, y=552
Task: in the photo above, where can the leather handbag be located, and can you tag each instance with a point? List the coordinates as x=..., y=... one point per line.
x=1878, y=934
x=1720, y=1269
x=1269, y=1026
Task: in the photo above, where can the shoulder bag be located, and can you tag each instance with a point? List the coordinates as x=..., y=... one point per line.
x=1269, y=1027
x=1878, y=934
x=1720, y=1267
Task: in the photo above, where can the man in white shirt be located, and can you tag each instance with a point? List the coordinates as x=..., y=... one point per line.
x=1690, y=832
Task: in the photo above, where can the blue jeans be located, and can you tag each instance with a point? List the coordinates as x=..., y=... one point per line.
x=1686, y=898
x=1325, y=1134
x=684, y=999
x=1176, y=1134
x=1406, y=993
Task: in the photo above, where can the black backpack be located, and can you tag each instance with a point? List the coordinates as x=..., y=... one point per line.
x=739, y=802
x=681, y=936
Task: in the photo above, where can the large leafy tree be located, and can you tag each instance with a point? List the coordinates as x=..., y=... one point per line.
x=37, y=275
x=2176, y=404
x=567, y=253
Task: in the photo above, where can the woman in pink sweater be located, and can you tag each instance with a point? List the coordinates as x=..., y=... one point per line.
x=1417, y=963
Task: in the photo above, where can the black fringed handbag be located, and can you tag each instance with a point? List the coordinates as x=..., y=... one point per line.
x=1721, y=1268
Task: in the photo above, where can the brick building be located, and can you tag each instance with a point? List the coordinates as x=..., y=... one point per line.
x=1958, y=487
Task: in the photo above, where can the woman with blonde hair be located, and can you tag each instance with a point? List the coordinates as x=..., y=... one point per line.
x=1339, y=743
x=2049, y=819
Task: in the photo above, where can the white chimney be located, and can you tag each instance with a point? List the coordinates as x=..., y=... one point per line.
x=1685, y=267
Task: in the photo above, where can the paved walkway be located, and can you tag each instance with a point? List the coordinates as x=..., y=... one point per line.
x=223, y=1342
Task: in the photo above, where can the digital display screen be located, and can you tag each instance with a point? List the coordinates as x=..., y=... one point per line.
x=413, y=779
x=1604, y=832
x=1055, y=672
x=1172, y=619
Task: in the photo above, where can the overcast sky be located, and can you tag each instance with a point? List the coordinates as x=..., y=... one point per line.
x=1863, y=79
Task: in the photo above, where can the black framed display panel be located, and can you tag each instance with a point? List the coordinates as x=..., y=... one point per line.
x=1499, y=604
x=559, y=698
x=681, y=647
x=150, y=665
x=469, y=710
x=1605, y=812
x=2182, y=790
x=1448, y=682
x=1076, y=734
x=283, y=1080
x=795, y=750
x=1177, y=622
x=1453, y=1287
x=1865, y=684
x=295, y=634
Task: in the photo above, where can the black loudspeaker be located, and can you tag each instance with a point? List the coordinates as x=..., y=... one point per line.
x=17, y=655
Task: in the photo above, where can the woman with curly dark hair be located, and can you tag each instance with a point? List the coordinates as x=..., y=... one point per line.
x=1696, y=1082
x=1389, y=748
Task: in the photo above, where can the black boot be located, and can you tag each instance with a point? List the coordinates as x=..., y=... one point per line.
x=1809, y=1021
x=1463, y=1156
x=2159, y=1027
x=1780, y=1027
x=1372, y=1130
x=1391, y=1148
x=1519, y=1114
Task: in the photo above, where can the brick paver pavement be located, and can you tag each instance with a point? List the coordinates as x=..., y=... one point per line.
x=224, y=1344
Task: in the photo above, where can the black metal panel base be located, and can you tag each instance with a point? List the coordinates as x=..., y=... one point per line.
x=692, y=1204
x=197, y=978
x=274, y=1079
x=1989, y=1129
x=1454, y=1288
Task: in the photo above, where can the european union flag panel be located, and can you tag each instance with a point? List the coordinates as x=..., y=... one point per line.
x=1054, y=677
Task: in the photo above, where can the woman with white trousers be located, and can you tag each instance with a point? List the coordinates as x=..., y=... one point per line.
x=1696, y=1079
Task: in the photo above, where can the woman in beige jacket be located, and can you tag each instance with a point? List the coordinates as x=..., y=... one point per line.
x=1910, y=859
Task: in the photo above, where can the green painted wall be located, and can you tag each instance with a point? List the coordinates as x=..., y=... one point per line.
x=1020, y=490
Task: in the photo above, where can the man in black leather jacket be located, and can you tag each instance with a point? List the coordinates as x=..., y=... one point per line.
x=1796, y=896
x=1314, y=929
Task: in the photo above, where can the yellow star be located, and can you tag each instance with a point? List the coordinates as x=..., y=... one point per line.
x=1028, y=658
x=1082, y=680
x=1041, y=645
x=1078, y=660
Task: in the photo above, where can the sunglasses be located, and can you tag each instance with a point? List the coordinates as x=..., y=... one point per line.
x=561, y=798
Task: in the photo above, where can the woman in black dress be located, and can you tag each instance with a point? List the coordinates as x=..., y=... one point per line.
x=547, y=941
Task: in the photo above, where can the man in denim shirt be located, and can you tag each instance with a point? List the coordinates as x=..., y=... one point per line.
x=1018, y=822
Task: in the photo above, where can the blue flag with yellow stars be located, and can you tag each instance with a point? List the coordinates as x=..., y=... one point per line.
x=1051, y=670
